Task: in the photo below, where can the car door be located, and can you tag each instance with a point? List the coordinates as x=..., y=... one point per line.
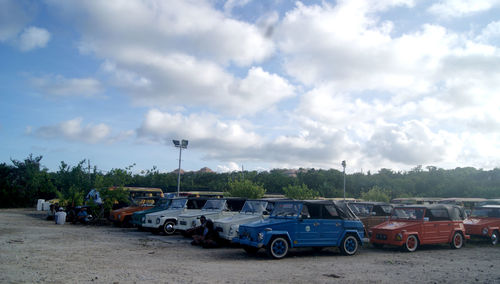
x=308, y=226
x=331, y=225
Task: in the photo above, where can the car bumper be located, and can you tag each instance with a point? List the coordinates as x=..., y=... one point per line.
x=247, y=242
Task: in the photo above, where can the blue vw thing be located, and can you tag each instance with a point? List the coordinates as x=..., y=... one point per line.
x=314, y=223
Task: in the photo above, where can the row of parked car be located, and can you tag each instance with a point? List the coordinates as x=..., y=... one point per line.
x=277, y=225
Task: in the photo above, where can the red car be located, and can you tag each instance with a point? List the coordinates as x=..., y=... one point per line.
x=411, y=226
x=484, y=222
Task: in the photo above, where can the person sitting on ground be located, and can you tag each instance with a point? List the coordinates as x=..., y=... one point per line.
x=196, y=230
x=82, y=216
x=52, y=211
x=60, y=216
x=208, y=238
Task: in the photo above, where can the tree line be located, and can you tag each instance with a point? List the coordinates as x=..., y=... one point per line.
x=23, y=182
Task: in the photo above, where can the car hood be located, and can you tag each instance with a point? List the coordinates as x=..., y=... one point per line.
x=198, y=213
x=124, y=209
x=165, y=212
x=395, y=225
x=237, y=218
x=269, y=222
x=481, y=221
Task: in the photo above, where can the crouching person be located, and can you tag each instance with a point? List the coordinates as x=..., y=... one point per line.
x=208, y=238
x=82, y=217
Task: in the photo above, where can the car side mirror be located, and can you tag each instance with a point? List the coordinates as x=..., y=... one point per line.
x=374, y=213
x=426, y=219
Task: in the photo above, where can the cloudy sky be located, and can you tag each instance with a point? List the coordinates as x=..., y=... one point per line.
x=260, y=84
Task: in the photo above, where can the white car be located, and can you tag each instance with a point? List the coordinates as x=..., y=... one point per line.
x=253, y=210
x=164, y=221
x=213, y=209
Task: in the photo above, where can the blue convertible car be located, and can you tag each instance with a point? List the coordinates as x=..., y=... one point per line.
x=315, y=223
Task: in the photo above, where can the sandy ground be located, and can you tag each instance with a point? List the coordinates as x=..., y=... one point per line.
x=33, y=250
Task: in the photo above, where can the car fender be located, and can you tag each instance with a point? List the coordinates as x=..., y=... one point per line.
x=466, y=237
x=350, y=232
x=268, y=235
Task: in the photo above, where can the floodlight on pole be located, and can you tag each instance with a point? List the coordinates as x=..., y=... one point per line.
x=343, y=165
x=181, y=145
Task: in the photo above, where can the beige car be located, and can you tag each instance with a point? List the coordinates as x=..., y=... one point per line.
x=371, y=213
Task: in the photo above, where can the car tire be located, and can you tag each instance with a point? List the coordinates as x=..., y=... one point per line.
x=411, y=244
x=251, y=250
x=349, y=245
x=168, y=228
x=457, y=241
x=494, y=237
x=278, y=247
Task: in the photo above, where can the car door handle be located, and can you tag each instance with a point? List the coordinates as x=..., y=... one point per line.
x=337, y=224
x=316, y=224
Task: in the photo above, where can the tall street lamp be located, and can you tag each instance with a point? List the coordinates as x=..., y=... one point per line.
x=343, y=165
x=181, y=145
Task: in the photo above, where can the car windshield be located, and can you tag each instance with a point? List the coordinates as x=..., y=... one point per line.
x=163, y=203
x=178, y=204
x=214, y=204
x=286, y=210
x=486, y=212
x=254, y=207
x=407, y=214
x=361, y=209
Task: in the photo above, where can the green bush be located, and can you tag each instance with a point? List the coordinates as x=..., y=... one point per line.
x=376, y=194
x=245, y=189
x=300, y=192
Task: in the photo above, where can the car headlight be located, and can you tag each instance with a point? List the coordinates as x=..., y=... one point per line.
x=157, y=220
x=260, y=236
x=398, y=237
x=143, y=220
x=485, y=231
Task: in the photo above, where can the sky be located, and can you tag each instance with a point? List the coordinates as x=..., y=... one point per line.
x=251, y=84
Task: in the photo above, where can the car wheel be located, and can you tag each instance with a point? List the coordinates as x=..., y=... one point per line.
x=457, y=241
x=277, y=247
x=411, y=244
x=251, y=250
x=168, y=227
x=349, y=245
x=494, y=238
x=377, y=245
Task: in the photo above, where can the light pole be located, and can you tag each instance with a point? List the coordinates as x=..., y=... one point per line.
x=181, y=145
x=343, y=165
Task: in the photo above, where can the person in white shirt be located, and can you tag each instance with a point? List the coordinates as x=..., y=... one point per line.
x=60, y=216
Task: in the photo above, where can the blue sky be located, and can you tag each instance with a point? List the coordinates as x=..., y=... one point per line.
x=260, y=84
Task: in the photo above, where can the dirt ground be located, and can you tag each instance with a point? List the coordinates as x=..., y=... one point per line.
x=33, y=250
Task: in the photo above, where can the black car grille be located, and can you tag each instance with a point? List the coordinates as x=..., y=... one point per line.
x=219, y=229
x=150, y=221
x=381, y=236
x=183, y=223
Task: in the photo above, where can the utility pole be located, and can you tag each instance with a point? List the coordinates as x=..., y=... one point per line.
x=343, y=165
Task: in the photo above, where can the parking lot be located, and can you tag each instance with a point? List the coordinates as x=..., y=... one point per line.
x=33, y=250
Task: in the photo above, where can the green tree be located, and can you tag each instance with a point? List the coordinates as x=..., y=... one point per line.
x=300, y=192
x=376, y=194
x=73, y=196
x=245, y=188
x=113, y=196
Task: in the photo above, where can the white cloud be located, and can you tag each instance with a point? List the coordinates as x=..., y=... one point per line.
x=74, y=131
x=59, y=86
x=461, y=8
x=230, y=167
x=33, y=37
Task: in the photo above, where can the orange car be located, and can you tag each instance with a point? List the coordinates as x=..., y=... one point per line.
x=122, y=217
x=484, y=222
x=411, y=226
